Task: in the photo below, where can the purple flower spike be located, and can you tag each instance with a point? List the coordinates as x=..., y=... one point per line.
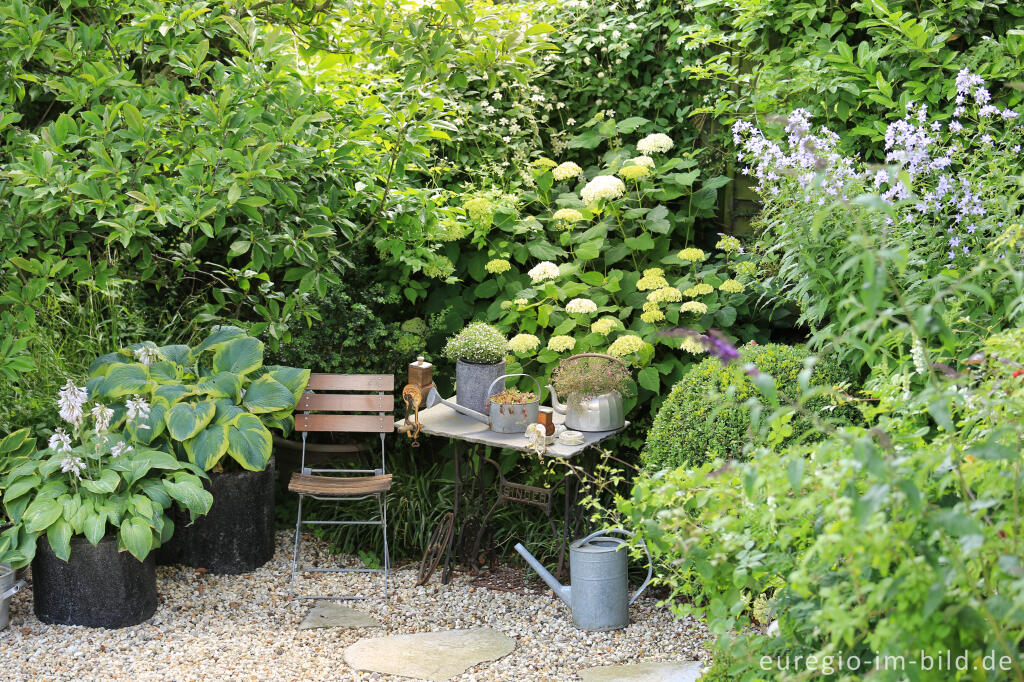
x=718, y=344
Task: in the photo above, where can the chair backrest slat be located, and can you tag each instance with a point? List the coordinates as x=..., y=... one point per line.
x=351, y=382
x=350, y=402
x=352, y=423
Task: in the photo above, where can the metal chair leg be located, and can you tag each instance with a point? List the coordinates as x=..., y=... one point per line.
x=295, y=553
x=384, y=530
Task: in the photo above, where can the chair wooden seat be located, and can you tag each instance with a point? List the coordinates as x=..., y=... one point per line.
x=338, y=486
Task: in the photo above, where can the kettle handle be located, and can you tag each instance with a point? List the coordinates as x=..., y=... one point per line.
x=650, y=562
x=506, y=376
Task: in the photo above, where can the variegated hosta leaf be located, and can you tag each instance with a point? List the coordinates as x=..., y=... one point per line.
x=124, y=379
x=249, y=442
x=293, y=378
x=207, y=447
x=185, y=420
x=267, y=395
x=241, y=356
x=217, y=338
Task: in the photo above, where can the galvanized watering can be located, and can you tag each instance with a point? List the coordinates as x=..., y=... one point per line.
x=599, y=594
x=500, y=417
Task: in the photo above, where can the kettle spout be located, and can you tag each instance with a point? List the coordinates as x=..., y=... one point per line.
x=555, y=405
x=562, y=591
x=433, y=398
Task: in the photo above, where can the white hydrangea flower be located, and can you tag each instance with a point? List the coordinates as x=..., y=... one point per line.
x=561, y=343
x=147, y=355
x=523, y=343
x=569, y=215
x=603, y=187
x=119, y=449
x=654, y=144
x=583, y=306
x=70, y=400
x=566, y=171
x=642, y=160
x=692, y=344
x=543, y=271
x=60, y=441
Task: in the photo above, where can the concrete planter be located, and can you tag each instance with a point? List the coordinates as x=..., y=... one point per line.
x=237, y=536
x=97, y=587
x=472, y=380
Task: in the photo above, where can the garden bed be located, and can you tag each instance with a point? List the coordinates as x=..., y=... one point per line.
x=245, y=627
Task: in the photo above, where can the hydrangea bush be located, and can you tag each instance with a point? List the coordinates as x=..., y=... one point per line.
x=593, y=260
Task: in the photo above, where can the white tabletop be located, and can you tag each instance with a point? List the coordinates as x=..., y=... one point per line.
x=441, y=420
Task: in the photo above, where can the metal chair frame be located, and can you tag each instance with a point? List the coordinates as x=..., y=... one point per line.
x=382, y=423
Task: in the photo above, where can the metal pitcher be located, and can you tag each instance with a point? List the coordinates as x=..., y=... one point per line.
x=500, y=418
x=9, y=586
x=599, y=593
x=603, y=412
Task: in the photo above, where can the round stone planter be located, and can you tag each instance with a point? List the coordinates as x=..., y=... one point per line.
x=98, y=587
x=237, y=536
x=472, y=380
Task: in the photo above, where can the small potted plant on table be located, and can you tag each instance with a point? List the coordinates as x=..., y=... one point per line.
x=88, y=515
x=479, y=355
x=213, y=406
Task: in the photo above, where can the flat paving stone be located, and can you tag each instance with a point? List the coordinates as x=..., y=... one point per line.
x=337, y=616
x=430, y=655
x=687, y=671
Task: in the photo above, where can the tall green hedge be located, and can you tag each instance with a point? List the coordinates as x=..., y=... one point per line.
x=705, y=417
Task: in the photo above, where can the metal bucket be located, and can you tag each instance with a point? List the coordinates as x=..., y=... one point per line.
x=512, y=418
x=8, y=587
x=472, y=380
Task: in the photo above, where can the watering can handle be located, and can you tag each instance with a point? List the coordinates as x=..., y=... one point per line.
x=650, y=562
x=13, y=590
x=506, y=376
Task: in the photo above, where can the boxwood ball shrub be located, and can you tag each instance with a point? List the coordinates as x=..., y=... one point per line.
x=705, y=417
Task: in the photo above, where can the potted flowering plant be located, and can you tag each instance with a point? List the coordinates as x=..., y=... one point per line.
x=479, y=355
x=213, y=406
x=99, y=494
x=593, y=384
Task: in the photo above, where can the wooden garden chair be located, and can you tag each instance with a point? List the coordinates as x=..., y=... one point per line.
x=347, y=403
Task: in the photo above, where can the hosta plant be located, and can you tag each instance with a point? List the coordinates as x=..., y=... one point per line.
x=203, y=403
x=101, y=478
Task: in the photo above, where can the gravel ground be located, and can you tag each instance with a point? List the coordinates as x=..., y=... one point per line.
x=244, y=627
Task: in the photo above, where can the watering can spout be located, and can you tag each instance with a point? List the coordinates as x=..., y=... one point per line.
x=562, y=591
x=555, y=405
x=433, y=398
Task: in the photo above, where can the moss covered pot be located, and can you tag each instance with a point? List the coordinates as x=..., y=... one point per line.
x=98, y=586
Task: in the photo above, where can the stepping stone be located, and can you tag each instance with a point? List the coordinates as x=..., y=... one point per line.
x=430, y=655
x=337, y=616
x=686, y=671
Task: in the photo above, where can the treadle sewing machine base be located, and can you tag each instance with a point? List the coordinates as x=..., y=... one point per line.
x=463, y=532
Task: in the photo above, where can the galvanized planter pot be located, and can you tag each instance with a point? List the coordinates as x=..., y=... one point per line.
x=9, y=585
x=472, y=380
x=98, y=586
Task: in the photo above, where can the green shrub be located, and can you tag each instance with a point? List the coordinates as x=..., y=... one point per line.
x=705, y=416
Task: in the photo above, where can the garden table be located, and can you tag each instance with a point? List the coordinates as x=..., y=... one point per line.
x=441, y=420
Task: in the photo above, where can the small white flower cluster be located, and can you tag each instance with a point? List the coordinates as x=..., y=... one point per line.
x=60, y=441
x=72, y=465
x=918, y=355
x=566, y=171
x=102, y=415
x=602, y=187
x=138, y=409
x=583, y=306
x=543, y=271
x=119, y=449
x=656, y=143
x=70, y=400
x=147, y=355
